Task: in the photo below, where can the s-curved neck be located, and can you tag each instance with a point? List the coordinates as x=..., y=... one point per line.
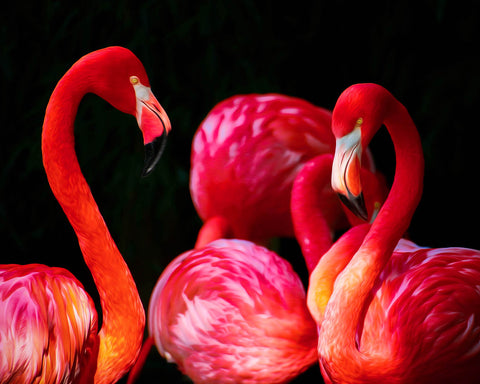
x=310, y=225
x=395, y=216
x=324, y=261
x=123, y=314
x=348, y=303
x=307, y=208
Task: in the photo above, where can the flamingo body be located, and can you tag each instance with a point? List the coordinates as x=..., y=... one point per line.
x=38, y=302
x=233, y=312
x=426, y=307
x=421, y=325
x=245, y=156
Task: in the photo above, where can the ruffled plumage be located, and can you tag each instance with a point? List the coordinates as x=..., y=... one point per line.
x=233, y=312
x=39, y=304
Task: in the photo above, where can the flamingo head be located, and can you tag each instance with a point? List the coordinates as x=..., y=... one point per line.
x=119, y=77
x=358, y=114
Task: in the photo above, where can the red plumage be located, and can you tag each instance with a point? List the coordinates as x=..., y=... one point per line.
x=47, y=317
x=391, y=311
x=48, y=323
x=245, y=156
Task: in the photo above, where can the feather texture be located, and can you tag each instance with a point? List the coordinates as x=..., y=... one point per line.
x=39, y=304
x=233, y=312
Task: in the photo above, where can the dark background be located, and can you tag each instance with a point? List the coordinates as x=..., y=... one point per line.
x=197, y=53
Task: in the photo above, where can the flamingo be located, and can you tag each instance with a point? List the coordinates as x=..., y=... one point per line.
x=245, y=156
x=48, y=322
x=233, y=312
x=397, y=312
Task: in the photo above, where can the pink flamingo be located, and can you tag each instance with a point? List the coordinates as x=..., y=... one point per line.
x=233, y=312
x=397, y=313
x=245, y=156
x=48, y=326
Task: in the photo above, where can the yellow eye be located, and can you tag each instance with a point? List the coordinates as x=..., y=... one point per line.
x=359, y=122
x=134, y=80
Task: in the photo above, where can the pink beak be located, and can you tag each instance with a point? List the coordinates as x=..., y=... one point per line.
x=154, y=124
x=152, y=118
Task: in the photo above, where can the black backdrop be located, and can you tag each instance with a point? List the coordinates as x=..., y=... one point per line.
x=198, y=53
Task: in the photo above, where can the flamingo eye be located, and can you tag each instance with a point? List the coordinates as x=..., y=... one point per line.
x=134, y=80
x=359, y=122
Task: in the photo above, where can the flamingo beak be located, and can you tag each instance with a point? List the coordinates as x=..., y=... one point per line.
x=346, y=172
x=154, y=124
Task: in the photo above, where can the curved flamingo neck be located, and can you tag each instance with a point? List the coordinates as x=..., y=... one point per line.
x=395, y=216
x=123, y=314
x=350, y=298
x=313, y=233
x=311, y=227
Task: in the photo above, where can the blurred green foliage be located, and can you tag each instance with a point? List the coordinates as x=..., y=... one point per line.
x=198, y=53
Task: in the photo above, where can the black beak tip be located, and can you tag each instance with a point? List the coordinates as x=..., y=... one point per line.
x=153, y=152
x=356, y=204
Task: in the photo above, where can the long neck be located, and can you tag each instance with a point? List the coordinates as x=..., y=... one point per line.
x=344, y=312
x=123, y=314
x=307, y=209
x=311, y=228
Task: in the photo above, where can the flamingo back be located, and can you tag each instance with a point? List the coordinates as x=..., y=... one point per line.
x=233, y=312
x=48, y=326
x=426, y=306
x=245, y=156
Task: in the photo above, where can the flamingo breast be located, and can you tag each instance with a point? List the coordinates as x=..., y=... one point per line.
x=48, y=326
x=233, y=312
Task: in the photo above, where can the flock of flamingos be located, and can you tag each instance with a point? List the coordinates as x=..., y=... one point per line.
x=378, y=309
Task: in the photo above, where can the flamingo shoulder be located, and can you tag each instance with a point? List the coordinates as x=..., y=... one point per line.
x=48, y=325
